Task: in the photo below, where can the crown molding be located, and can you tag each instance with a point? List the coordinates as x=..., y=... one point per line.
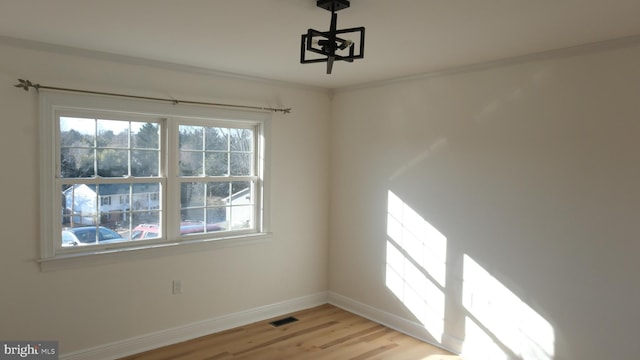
x=132, y=60
x=577, y=50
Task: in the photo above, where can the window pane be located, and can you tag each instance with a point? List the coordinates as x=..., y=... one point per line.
x=110, y=204
x=106, y=235
x=240, y=211
x=78, y=236
x=145, y=197
x=217, y=139
x=241, y=139
x=113, y=218
x=145, y=163
x=77, y=132
x=240, y=164
x=241, y=217
x=192, y=195
x=190, y=218
x=218, y=193
x=79, y=205
x=113, y=133
x=145, y=225
x=216, y=218
x=145, y=135
x=113, y=163
x=217, y=203
x=216, y=164
x=143, y=230
x=77, y=141
x=145, y=210
x=241, y=188
x=76, y=162
x=190, y=137
x=191, y=163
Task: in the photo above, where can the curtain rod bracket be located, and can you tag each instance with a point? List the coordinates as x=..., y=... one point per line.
x=26, y=84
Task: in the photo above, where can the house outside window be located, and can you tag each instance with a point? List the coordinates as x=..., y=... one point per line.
x=105, y=201
x=192, y=175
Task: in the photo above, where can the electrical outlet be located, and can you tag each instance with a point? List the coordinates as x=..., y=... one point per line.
x=177, y=287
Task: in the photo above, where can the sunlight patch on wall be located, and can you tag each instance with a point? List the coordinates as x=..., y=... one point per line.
x=416, y=264
x=500, y=322
x=478, y=345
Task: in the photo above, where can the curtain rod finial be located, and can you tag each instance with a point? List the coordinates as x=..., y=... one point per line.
x=26, y=84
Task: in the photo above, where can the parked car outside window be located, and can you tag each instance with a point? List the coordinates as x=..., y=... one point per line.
x=150, y=231
x=87, y=235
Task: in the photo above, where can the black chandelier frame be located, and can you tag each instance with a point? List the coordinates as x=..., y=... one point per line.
x=328, y=44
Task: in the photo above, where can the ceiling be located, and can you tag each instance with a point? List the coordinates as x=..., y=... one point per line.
x=261, y=38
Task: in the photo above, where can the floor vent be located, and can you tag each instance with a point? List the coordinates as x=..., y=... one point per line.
x=283, y=321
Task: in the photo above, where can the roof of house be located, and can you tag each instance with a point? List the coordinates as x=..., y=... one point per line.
x=116, y=189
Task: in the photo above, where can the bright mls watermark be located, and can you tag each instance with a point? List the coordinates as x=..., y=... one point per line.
x=29, y=350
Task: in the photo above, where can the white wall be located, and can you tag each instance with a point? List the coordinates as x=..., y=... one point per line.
x=531, y=170
x=92, y=306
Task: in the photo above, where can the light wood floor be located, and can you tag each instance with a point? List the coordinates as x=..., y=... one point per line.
x=324, y=332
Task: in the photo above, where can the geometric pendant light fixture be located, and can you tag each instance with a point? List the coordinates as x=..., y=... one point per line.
x=335, y=44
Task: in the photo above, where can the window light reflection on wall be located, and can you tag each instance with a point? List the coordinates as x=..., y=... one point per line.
x=499, y=322
x=416, y=264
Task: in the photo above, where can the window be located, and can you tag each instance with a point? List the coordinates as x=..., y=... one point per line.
x=217, y=180
x=136, y=175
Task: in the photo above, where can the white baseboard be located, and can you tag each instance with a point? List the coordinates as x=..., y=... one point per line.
x=174, y=335
x=393, y=321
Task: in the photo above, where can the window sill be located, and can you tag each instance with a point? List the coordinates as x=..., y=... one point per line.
x=111, y=256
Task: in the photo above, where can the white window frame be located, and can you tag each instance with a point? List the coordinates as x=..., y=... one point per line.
x=53, y=256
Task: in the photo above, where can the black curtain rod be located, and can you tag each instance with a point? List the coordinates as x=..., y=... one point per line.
x=26, y=84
